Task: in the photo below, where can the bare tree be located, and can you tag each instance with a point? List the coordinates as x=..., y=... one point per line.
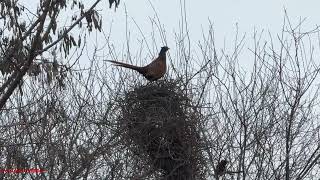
x=23, y=41
x=263, y=121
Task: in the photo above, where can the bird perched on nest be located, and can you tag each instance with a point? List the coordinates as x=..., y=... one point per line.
x=153, y=71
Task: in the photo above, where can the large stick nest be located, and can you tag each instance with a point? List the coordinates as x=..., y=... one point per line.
x=161, y=127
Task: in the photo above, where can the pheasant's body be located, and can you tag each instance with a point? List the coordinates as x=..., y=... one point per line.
x=153, y=71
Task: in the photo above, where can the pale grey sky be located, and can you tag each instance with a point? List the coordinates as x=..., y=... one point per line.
x=264, y=15
x=261, y=15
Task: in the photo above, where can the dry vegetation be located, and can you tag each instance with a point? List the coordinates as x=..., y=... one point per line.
x=100, y=122
x=160, y=127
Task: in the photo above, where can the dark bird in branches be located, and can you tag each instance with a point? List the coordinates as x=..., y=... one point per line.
x=220, y=168
x=153, y=71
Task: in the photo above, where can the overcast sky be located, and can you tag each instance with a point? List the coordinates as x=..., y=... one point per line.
x=264, y=15
x=261, y=15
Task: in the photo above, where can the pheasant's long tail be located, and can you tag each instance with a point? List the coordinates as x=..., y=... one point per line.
x=137, y=68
